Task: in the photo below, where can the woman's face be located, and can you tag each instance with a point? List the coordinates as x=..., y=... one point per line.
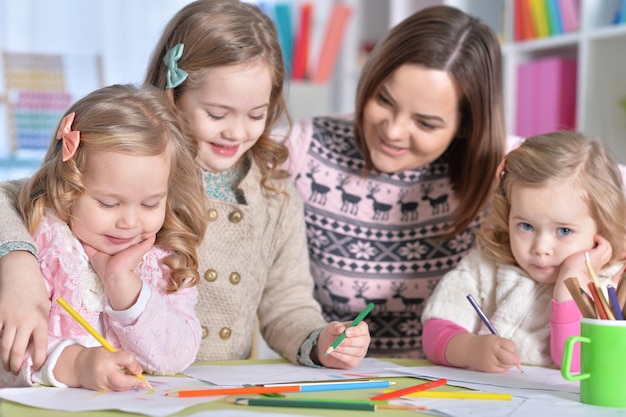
x=412, y=118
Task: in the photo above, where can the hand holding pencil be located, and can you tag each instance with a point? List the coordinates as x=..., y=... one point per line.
x=111, y=361
x=344, y=345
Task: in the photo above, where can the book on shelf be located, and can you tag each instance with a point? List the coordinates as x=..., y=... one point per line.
x=282, y=11
x=335, y=30
x=301, y=45
x=542, y=18
x=546, y=96
x=295, y=38
x=570, y=14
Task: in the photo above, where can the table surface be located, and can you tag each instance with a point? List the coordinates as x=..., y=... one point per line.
x=8, y=408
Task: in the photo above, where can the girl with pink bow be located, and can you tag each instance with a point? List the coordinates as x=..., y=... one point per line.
x=117, y=240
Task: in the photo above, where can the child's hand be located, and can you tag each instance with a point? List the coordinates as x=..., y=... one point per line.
x=106, y=265
x=350, y=351
x=121, y=284
x=485, y=353
x=100, y=370
x=576, y=266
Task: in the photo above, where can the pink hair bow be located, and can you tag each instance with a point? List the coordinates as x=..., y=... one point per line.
x=71, y=138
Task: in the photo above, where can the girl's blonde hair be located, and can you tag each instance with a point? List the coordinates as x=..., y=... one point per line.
x=545, y=159
x=131, y=121
x=445, y=38
x=218, y=33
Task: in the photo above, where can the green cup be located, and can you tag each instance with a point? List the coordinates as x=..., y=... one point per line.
x=602, y=362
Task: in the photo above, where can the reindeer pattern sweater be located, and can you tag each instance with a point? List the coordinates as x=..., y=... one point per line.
x=376, y=238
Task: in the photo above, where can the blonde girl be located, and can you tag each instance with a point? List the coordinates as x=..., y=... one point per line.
x=558, y=196
x=116, y=211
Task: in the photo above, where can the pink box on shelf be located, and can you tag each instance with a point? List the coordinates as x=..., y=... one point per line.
x=546, y=96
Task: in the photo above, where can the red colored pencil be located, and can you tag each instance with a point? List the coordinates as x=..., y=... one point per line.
x=409, y=390
x=596, y=301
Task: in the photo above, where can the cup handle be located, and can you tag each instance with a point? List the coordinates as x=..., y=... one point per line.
x=566, y=363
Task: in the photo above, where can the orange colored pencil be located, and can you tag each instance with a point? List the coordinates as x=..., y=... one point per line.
x=233, y=391
x=409, y=390
x=598, y=295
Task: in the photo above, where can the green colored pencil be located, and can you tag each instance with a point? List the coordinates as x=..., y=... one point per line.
x=327, y=404
x=333, y=405
x=356, y=321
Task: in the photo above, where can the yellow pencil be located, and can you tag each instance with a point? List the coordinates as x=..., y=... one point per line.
x=461, y=395
x=105, y=344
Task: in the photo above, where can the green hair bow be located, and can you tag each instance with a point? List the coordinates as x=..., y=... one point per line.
x=175, y=75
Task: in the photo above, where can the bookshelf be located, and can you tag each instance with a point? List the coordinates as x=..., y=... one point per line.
x=598, y=45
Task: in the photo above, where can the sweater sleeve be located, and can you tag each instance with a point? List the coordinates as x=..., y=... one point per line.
x=564, y=322
x=166, y=336
x=13, y=232
x=436, y=335
x=288, y=313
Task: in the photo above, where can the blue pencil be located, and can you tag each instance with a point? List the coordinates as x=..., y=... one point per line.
x=487, y=322
x=614, y=302
x=482, y=315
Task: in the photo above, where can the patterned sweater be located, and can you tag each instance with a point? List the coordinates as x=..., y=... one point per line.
x=376, y=238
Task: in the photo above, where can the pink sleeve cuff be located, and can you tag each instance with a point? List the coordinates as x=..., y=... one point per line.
x=564, y=322
x=436, y=335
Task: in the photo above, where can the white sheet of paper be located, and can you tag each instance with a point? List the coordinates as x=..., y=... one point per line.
x=536, y=392
x=533, y=377
x=154, y=404
x=285, y=372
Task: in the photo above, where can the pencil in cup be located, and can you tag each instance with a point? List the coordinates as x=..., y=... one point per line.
x=583, y=302
x=487, y=322
x=105, y=344
x=614, y=303
x=621, y=293
x=596, y=292
x=355, y=322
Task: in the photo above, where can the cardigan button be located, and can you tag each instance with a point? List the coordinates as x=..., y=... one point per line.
x=235, y=278
x=235, y=217
x=213, y=215
x=210, y=275
x=205, y=332
x=225, y=333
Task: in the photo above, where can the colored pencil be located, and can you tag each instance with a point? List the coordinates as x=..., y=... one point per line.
x=599, y=307
x=356, y=321
x=409, y=390
x=325, y=381
x=284, y=388
x=231, y=391
x=615, y=306
x=462, y=395
x=598, y=294
x=487, y=322
x=105, y=344
x=621, y=293
x=328, y=404
x=580, y=298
